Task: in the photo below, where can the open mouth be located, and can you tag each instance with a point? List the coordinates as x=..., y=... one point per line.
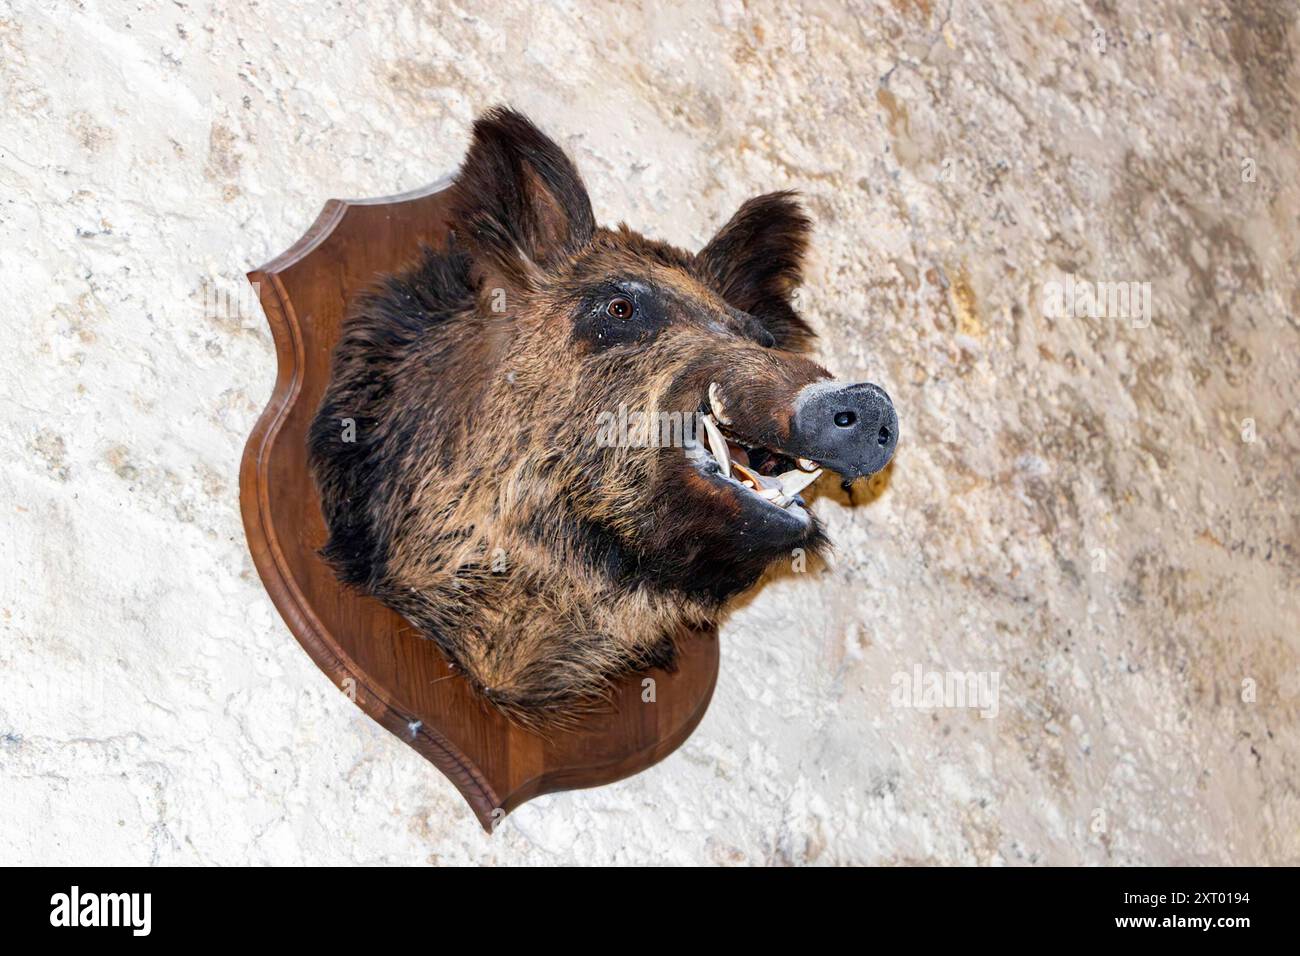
x=768, y=474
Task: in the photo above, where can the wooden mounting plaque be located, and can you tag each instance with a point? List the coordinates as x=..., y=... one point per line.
x=368, y=651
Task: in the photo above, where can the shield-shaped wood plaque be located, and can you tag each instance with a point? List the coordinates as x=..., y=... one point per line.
x=368, y=651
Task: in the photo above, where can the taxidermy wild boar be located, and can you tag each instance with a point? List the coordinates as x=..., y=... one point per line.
x=476, y=498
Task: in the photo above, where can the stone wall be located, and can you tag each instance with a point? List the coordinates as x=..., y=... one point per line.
x=1097, y=512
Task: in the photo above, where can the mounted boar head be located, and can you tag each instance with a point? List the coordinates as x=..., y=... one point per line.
x=572, y=441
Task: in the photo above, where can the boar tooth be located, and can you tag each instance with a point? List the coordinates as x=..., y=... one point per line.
x=793, y=482
x=764, y=485
x=718, y=444
x=807, y=464
x=715, y=403
x=748, y=475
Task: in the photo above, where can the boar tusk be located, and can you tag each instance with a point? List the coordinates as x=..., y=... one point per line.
x=717, y=444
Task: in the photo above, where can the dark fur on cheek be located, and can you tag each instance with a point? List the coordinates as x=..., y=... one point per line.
x=361, y=481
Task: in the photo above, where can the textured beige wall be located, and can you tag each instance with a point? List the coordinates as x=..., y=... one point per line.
x=1073, y=509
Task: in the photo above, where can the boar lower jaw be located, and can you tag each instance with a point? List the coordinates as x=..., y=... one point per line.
x=778, y=491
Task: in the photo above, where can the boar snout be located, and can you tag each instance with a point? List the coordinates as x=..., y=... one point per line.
x=848, y=428
x=851, y=429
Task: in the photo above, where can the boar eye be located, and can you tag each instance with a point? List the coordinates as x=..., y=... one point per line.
x=620, y=308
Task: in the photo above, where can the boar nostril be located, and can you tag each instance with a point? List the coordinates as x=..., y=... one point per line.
x=884, y=436
x=845, y=419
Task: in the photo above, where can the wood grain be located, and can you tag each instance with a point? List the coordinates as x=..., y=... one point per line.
x=369, y=652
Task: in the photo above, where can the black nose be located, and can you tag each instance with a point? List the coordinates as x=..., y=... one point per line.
x=852, y=429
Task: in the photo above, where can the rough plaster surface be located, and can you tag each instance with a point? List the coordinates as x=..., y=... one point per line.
x=1074, y=507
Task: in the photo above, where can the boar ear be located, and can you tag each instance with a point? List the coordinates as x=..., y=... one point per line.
x=756, y=261
x=518, y=203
